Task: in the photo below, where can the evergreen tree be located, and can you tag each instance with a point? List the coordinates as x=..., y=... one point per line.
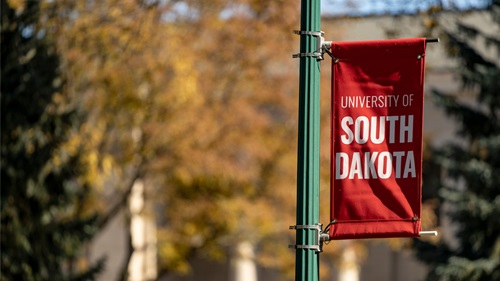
x=42, y=201
x=471, y=190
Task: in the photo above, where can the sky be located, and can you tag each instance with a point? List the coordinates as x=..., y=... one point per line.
x=374, y=7
x=349, y=7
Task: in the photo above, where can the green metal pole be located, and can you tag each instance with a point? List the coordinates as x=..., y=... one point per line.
x=307, y=260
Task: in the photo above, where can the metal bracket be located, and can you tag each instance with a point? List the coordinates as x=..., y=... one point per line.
x=428, y=233
x=318, y=54
x=320, y=237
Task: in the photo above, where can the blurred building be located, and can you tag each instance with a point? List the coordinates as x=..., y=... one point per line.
x=382, y=262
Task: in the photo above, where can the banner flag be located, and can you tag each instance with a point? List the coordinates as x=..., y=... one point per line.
x=376, y=146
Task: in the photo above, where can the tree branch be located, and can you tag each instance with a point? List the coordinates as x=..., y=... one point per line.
x=115, y=209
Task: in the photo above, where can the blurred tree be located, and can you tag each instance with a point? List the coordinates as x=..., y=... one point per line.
x=239, y=161
x=119, y=61
x=471, y=190
x=198, y=98
x=44, y=217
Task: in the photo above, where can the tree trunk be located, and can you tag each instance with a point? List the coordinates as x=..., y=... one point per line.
x=142, y=263
x=349, y=263
x=243, y=267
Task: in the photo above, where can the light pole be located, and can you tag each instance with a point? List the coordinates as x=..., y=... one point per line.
x=307, y=259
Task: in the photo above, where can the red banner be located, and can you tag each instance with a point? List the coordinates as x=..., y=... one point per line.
x=377, y=116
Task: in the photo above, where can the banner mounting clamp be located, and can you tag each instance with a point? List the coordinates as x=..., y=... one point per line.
x=319, y=238
x=320, y=44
